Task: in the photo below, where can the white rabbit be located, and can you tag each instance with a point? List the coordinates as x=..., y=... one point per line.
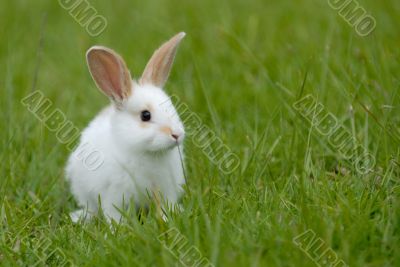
x=137, y=137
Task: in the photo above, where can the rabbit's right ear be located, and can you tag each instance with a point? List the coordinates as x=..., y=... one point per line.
x=109, y=72
x=160, y=64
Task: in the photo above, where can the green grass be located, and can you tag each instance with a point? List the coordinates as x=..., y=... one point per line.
x=241, y=68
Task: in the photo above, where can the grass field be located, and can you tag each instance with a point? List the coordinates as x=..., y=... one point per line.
x=241, y=68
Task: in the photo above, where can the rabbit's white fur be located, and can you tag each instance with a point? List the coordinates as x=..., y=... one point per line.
x=139, y=158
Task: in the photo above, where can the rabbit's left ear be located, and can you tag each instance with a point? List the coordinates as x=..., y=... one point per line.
x=110, y=73
x=160, y=64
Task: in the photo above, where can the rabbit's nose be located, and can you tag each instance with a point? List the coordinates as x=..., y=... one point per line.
x=177, y=134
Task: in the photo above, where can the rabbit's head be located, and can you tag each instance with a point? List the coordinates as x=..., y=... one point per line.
x=142, y=117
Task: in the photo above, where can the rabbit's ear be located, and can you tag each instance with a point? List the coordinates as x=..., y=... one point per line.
x=159, y=66
x=110, y=73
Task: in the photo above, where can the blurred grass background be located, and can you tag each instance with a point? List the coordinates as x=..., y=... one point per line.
x=240, y=68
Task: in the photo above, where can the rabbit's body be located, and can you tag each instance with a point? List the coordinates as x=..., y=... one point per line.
x=137, y=138
x=122, y=175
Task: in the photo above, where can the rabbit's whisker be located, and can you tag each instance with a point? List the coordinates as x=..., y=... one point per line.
x=183, y=165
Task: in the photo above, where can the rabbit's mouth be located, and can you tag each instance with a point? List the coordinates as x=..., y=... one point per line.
x=172, y=145
x=163, y=148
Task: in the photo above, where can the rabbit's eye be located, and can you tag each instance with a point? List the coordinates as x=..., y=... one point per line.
x=145, y=115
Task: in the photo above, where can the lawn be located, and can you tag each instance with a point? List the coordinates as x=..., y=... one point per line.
x=247, y=69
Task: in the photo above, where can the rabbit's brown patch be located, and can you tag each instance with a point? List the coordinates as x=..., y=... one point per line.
x=166, y=129
x=144, y=124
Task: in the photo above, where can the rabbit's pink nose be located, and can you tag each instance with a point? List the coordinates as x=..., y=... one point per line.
x=175, y=136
